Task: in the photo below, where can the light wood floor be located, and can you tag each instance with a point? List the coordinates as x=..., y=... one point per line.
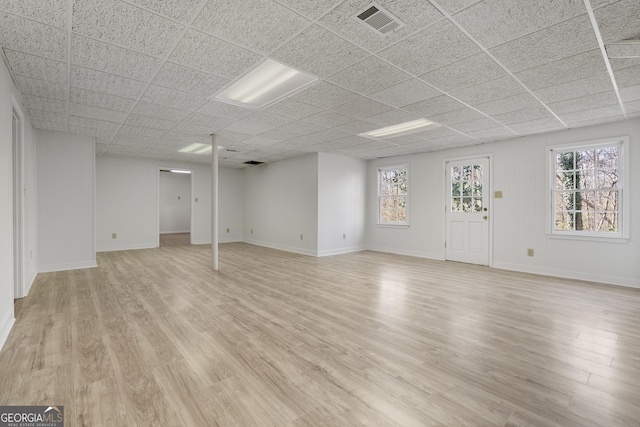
x=175, y=239
x=154, y=337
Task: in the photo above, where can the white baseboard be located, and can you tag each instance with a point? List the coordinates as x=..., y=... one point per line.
x=30, y=283
x=175, y=232
x=418, y=254
x=127, y=248
x=67, y=266
x=5, y=326
x=576, y=275
x=340, y=251
x=283, y=247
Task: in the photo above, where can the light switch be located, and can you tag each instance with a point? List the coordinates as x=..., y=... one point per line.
x=498, y=195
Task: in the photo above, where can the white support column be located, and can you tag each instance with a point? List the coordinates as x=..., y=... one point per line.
x=214, y=201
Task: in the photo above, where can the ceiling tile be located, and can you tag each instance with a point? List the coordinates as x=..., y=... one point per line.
x=141, y=134
x=492, y=133
x=292, y=109
x=548, y=45
x=457, y=116
x=48, y=117
x=537, y=126
x=405, y=93
x=619, y=21
x=368, y=76
x=51, y=12
x=311, y=9
x=126, y=25
x=44, y=104
x=226, y=137
x=498, y=21
x=328, y=119
x=279, y=134
x=627, y=76
x=323, y=136
x=389, y=118
x=201, y=131
x=579, y=118
x=249, y=128
x=172, y=98
x=100, y=99
x=633, y=108
x=185, y=79
x=205, y=120
x=149, y=122
x=261, y=140
x=259, y=25
x=49, y=126
x=41, y=89
x=433, y=134
x=42, y=40
x=415, y=14
x=475, y=125
x=112, y=59
x=564, y=70
x=180, y=10
x=159, y=111
x=434, y=106
x=432, y=48
x=98, y=81
x=362, y=107
x=262, y=117
x=618, y=63
x=222, y=109
x=517, y=102
x=524, y=115
x=631, y=93
x=93, y=124
x=301, y=127
x=104, y=135
x=358, y=126
x=470, y=71
x=211, y=55
x=489, y=91
x=588, y=86
x=97, y=113
x=297, y=53
x=324, y=95
x=36, y=67
x=587, y=102
x=453, y=6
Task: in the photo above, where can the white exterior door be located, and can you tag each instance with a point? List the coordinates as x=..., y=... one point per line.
x=467, y=211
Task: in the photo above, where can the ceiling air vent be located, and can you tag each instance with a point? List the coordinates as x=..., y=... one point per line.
x=378, y=19
x=253, y=162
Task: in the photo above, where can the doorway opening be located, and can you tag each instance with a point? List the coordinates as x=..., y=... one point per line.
x=468, y=210
x=175, y=210
x=18, y=203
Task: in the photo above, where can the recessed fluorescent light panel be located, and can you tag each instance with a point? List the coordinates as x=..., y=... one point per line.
x=198, y=148
x=265, y=84
x=399, y=129
x=179, y=171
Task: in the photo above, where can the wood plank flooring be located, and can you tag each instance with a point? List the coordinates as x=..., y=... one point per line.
x=175, y=239
x=154, y=337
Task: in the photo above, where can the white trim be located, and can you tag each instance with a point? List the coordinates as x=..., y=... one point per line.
x=341, y=251
x=18, y=283
x=175, y=232
x=5, y=326
x=191, y=204
x=128, y=248
x=406, y=252
x=76, y=265
x=286, y=248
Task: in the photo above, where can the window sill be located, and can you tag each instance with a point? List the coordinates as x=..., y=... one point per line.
x=603, y=239
x=387, y=225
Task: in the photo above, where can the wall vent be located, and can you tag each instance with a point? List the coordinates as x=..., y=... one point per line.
x=378, y=19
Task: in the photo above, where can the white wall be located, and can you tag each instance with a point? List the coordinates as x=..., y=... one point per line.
x=66, y=205
x=127, y=202
x=175, y=202
x=341, y=204
x=519, y=218
x=10, y=97
x=280, y=203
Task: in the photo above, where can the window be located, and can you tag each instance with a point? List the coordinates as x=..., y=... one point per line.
x=393, y=195
x=587, y=189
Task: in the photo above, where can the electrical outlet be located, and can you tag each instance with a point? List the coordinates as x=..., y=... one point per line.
x=301, y=236
x=227, y=230
x=344, y=236
x=498, y=194
x=529, y=252
x=114, y=235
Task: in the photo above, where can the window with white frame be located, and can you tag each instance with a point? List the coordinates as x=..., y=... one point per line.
x=393, y=195
x=587, y=189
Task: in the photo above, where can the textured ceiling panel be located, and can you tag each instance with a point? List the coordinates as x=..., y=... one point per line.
x=369, y=76
x=43, y=40
x=587, y=102
x=612, y=111
x=453, y=6
x=97, y=113
x=205, y=120
x=619, y=21
x=249, y=128
x=125, y=25
x=261, y=140
x=517, y=102
x=112, y=59
x=491, y=133
x=140, y=133
x=93, y=124
x=104, y=135
x=211, y=55
x=99, y=81
x=358, y=126
x=548, y=45
x=159, y=111
x=405, y=93
x=628, y=76
x=415, y=14
x=537, y=126
x=457, y=116
x=527, y=114
x=37, y=67
x=293, y=109
x=470, y=71
x=41, y=88
x=432, y=48
x=50, y=12
x=498, y=21
x=45, y=104
x=489, y=91
x=258, y=25
x=279, y=134
x=48, y=117
x=324, y=95
x=172, y=98
x=311, y=9
x=149, y=122
x=185, y=79
x=301, y=127
x=583, y=87
x=475, y=125
x=362, y=107
x=328, y=119
x=340, y=53
x=629, y=94
x=565, y=70
x=180, y=10
x=100, y=99
x=220, y=109
x=434, y=106
x=390, y=118
x=49, y=126
x=262, y=117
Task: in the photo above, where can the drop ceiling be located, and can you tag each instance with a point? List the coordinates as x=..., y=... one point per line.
x=141, y=75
